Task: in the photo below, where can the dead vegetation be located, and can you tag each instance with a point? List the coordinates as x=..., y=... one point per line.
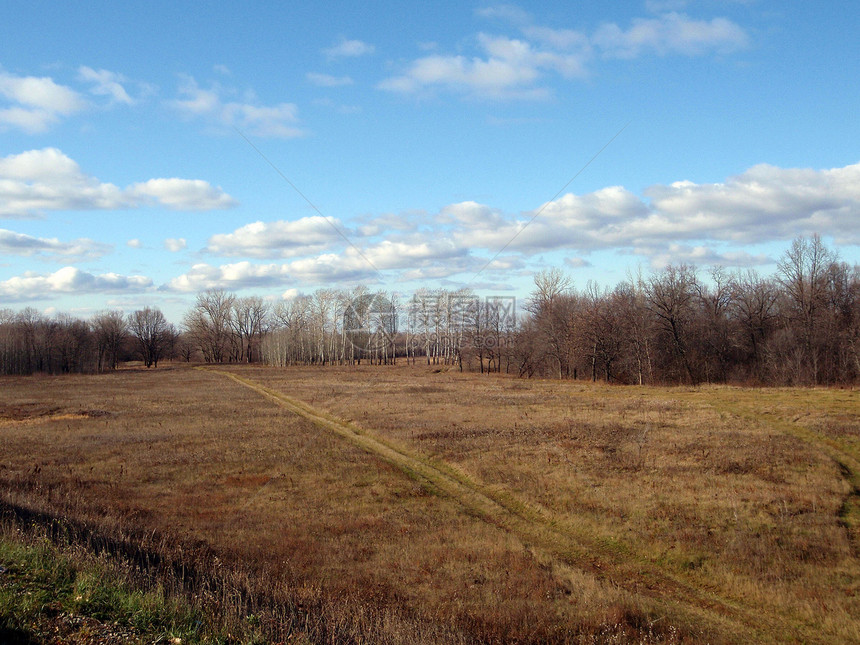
x=572, y=512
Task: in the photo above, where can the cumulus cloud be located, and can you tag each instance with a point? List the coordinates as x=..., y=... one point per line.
x=279, y=121
x=763, y=204
x=37, y=181
x=327, y=80
x=134, y=243
x=78, y=250
x=181, y=194
x=517, y=68
x=175, y=244
x=349, y=49
x=700, y=223
x=69, y=280
x=105, y=83
x=442, y=256
x=230, y=276
x=34, y=104
x=281, y=239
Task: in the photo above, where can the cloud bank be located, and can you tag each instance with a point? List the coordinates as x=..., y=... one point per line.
x=678, y=222
x=37, y=181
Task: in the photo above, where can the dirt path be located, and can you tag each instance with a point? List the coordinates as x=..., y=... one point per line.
x=557, y=542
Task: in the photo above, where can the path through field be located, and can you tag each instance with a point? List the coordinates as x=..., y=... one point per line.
x=561, y=543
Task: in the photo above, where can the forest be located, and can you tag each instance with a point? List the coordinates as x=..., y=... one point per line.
x=800, y=326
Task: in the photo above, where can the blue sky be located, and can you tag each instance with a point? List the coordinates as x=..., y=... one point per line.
x=144, y=149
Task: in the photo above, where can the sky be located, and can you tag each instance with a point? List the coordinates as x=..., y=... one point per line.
x=150, y=151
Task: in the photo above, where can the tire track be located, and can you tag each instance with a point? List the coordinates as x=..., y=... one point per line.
x=845, y=459
x=557, y=541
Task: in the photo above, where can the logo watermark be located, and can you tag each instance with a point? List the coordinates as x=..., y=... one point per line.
x=374, y=321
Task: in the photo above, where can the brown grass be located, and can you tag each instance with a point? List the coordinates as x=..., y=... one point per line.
x=519, y=511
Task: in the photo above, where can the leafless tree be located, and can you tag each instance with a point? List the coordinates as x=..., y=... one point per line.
x=754, y=307
x=250, y=318
x=209, y=324
x=802, y=272
x=111, y=329
x=637, y=328
x=670, y=296
x=552, y=305
x=155, y=336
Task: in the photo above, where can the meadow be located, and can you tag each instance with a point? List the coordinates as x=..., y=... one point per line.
x=418, y=504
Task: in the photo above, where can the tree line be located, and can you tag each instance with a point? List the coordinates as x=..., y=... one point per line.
x=799, y=326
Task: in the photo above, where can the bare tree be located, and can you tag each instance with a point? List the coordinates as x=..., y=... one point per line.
x=250, y=322
x=552, y=305
x=209, y=323
x=802, y=272
x=716, y=329
x=155, y=336
x=636, y=321
x=599, y=326
x=754, y=307
x=111, y=329
x=670, y=296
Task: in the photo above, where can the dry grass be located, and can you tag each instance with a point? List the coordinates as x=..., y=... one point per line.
x=624, y=514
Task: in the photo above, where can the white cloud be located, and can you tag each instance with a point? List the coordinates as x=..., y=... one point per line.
x=281, y=239
x=763, y=204
x=175, y=244
x=389, y=254
x=577, y=263
x=511, y=68
x=471, y=215
x=561, y=39
x=290, y=294
x=264, y=121
x=679, y=222
x=279, y=121
x=181, y=194
x=671, y=33
x=36, y=181
x=197, y=101
x=700, y=255
x=105, y=83
x=506, y=12
x=69, y=280
x=518, y=68
x=229, y=276
x=78, y=250
x=134, y=243
x=442, y=256
x=36, y=103
x=349, y=49
x=327, y=80
x=572, y=221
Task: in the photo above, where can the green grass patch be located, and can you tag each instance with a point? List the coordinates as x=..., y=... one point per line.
x=46, y=592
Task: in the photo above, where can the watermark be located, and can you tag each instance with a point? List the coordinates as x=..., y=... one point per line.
x=370, y=322
x=374, y=322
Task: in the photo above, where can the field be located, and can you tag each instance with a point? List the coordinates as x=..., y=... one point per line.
x=416, y=504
